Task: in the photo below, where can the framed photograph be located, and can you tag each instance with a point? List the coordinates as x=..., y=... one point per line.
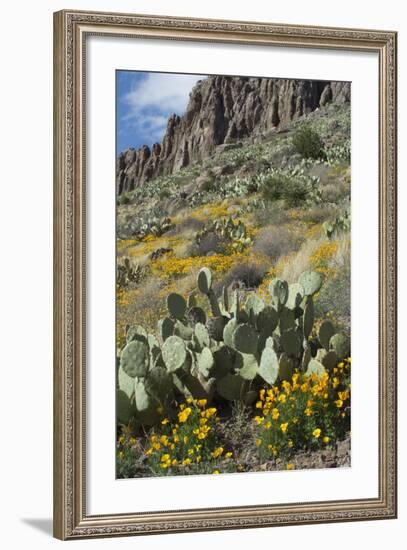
x=225, y=274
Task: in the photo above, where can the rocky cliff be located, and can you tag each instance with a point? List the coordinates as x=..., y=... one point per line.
x=223, y=109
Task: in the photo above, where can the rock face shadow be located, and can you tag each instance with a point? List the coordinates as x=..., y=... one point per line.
x=40, y=524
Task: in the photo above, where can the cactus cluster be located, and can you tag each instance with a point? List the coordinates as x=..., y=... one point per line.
x=339, y=225
x=140, y=227
x=127, y=273
x=228, y=230
x=228, y=355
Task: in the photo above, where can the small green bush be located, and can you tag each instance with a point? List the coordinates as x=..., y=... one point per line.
x=290, y=189
x=123, y=199
x=308, y=143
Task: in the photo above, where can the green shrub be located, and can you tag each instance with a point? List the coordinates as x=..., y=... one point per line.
x=308, y=143
x=281, y=187
x=123, y=199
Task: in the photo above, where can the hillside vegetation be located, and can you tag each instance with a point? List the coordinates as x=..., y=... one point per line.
x=255, y=216
x=275, y=202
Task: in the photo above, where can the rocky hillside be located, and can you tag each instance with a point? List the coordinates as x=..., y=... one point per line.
x=221, y=110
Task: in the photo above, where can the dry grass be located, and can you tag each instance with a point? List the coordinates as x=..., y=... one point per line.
x=276, y=241
x=290, y=267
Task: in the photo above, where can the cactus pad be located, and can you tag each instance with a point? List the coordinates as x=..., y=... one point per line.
x=291, y=342
x=206, y=362
x=311, y=282
x=295, y=295
x=126, y=382
x=287, y=319
x=286, y=367
x=174, y=353
x=269, y=366
x=196, y=315
x=231, y=387
x=279, y=292
x=135, y=358
x=245, y=339
x=176, y=305
x=136, y=332
x=124, y=407
x=158, y=384
x=202, y=335
x=255, y=304
x=165, y=328
x=247, y=366
x=315, y=367
x=325, y=333
x=341, y=345
x=308, y=318
x=204, y=280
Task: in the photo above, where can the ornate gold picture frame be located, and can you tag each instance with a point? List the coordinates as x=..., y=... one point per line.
x=71, y=30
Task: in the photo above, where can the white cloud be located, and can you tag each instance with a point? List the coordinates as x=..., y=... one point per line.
x=164, y=92
x=154, y=99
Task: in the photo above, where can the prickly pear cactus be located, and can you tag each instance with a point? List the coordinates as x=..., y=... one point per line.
x=228, y=351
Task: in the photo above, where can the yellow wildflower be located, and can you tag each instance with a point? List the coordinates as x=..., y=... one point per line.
x=275, y=413
x=217, y=452
x=284, y=427
x=184, y=415
x=326, y=439
x=215, y=471
x=316, y=433
x=290, y=466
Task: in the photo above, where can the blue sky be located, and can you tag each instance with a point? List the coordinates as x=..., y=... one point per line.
x=144, y=103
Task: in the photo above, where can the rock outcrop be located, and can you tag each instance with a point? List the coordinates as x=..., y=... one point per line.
x=223, y=109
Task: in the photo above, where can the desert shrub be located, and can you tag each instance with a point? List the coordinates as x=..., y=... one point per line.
x=270, y=213
x=308, y=143
x=123, y=199
x=187, y=225
x=335, y=192
x=211, y=242
x=274, y=242
x=318, y=214
x=292, y=187
x=246, y=274
x=164, y=194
